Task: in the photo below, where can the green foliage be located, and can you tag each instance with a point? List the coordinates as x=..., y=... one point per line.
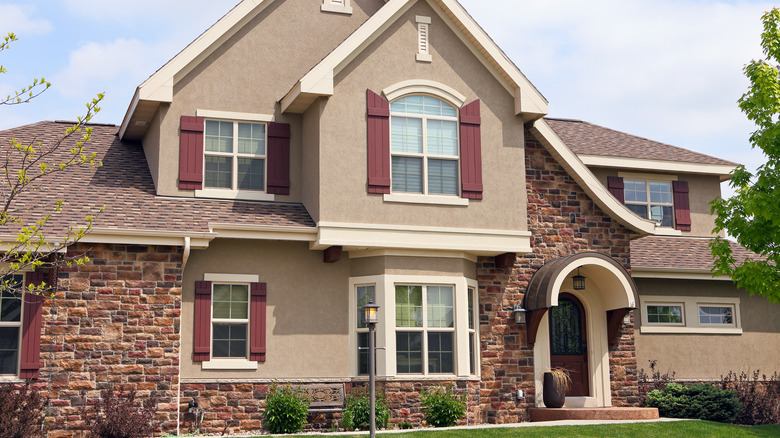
x=442, y=407
x=698, y=401
x=21, y=412
x=752, y=215
x=286, y=409
x=357, y=410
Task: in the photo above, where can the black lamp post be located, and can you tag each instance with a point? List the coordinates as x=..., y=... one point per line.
x=371, y=318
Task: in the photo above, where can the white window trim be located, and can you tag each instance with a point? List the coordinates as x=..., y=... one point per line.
x=232, y=363
x=423, y=86
x=338, y=6
x=691, y=315
x=416, y=198
x=15, y=377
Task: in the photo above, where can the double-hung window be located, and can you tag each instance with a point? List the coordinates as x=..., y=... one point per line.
x=651, y=199
x=424, y=146
x=10, y=324
x=425, y=329
x=230, y=321
x=235, y=156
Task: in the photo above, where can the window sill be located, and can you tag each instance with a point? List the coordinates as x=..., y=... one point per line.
x=691, y=330
x=234, y=194
x=229, y=364
x=420, y=378
x=10, y=379
x=408, y=198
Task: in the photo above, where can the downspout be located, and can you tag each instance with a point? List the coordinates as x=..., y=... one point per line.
x=184, y=258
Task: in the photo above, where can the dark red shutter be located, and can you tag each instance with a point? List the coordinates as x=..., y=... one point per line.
x=191, y=153
x=257, y=322
x=202, y=322
x=31, y=328
x=278, y=158
x=682, y=206
x=378, y=110
x=471, y=151
x=616, y=187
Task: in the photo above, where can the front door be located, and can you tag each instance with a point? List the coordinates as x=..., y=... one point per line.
x=568, y=342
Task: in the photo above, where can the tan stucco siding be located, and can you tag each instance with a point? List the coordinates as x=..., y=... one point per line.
x=708, y=356
x=307, y=319
x=310, y=159
x=151, y=144
x=390, y=265
x=254, y=69
x=390, y=60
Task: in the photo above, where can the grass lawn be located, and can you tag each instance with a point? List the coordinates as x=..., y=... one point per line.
x=634, y=430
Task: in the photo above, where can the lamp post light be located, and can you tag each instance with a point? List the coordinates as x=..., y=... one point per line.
x=371, y=318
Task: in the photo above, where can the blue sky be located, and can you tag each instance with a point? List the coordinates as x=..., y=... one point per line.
x=666, y=70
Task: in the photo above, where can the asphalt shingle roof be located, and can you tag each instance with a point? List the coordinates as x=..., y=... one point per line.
x=678, y=253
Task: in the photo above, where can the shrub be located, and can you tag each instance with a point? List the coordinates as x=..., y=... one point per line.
x=405, y=425
x=759, y=397
x=697, y=401
x=21, y=412
x=120, y=415
x=357, y=410
x=286, y=409
x=655, y=380
x=442, y=407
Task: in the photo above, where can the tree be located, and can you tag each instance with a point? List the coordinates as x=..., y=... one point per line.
x=752, y=215
x=25, y=169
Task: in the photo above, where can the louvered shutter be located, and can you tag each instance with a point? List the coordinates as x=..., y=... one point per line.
x=257, y=323
x=682, y=208
x=471, y=151
x=202, y=322
x=616, y=187
x=191, y=153
x=278, y=158
x=378, y=110
x=32, y=322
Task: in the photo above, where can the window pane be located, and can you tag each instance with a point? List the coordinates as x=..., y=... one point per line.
x=443, y=177
x=408, y=352
x=219, y=136
x=251, y=138
x=10, y=307
x=364, y=294
x=660, y=192
x=662, y=215
x=664, y=314
x=230, y=301
x=251, y=174
x=443, y=138
x=362, y=353
x=229, y=340
x=408, y=306
x=472, y=354
x=440, y=353
x=407, y=174
x=221, y=292
x=440, y=306
x=715, y=315
x=640, y=210
x=9, y=349
x=635, y=191
x=219, y=172
x=406, y=135
x=471, y=308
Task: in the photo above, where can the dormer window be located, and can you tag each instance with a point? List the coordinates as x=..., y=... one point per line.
x=235, y=155
x=651, y=200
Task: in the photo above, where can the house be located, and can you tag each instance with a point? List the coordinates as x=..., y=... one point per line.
x=301, y=158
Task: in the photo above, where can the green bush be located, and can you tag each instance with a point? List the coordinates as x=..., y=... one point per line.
x=286, y=409
x=357, y=410
x=442, y=407
x=697, y=401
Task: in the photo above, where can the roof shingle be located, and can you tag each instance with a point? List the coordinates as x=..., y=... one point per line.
x=678, y=253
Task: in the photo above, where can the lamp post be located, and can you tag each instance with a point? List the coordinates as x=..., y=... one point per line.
x=371, y=318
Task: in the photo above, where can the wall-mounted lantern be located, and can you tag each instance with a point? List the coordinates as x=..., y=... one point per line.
x=579, y=281
x=519, y=312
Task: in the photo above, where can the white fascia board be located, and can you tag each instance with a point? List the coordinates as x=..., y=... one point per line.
x=264, y=232
x=588, y=181
x=724, y=170
x=129, y=113
x=371, y=236
x=148, y=237
x=676, y=273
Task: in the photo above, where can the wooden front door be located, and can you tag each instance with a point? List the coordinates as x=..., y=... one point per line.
x=568, y=342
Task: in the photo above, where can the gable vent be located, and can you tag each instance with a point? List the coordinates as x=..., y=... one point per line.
x=424, y=39
x=340, y=6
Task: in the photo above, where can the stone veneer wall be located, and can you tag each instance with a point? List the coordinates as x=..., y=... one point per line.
x=113, y=324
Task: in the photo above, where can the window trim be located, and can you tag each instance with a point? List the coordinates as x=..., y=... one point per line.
x=691, y=324
x=232, y=363
x=647, y=178
x=16, y=376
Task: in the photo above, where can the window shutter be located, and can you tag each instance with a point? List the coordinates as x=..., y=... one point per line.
x=202, y=322
x=278, y=158
x=682, y=208
x=616, y=187
x=257, y=322
x=31, y=328
x=191, y=153
x=471, y=151
x=378, y=110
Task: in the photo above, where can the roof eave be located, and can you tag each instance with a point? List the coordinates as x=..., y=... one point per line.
x=724, y=171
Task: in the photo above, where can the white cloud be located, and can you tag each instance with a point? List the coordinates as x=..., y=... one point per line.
x=20, y=20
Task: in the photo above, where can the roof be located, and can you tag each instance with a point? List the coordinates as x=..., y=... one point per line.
x=678, y=253
x=586, y=138
x=123, y=184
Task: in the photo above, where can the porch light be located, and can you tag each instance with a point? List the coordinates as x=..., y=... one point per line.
x=370, y=315
x=579, y=281
x=519, y=314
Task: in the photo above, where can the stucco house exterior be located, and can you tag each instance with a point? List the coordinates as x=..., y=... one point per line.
x=302, y=157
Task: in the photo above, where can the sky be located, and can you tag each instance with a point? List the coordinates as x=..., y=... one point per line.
x=666, y=70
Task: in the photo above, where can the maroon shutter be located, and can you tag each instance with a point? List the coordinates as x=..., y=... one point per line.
x=682, y=208
x=191, y=153
x=202, y=322
x=31, y=328
x=471, y=151
x=257, y=322
x=378, y=110
x=279, y=158
x=616, y=187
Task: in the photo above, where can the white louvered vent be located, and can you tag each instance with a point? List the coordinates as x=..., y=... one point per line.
x=424, y=39
x=340, y=6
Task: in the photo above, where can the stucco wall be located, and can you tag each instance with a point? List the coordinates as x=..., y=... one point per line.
x=699, y=356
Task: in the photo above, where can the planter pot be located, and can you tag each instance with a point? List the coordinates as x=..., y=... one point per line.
x=554, y=396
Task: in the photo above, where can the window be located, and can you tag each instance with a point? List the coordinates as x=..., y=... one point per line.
x=235, y=155
x=10, y=324
x=364, y=294
x=424, y=146
x=651, y=200
x=716, y=315
x=230, y=320
x=675, y=314
x=425, y=329
x=664, y=314
x=473, y=340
